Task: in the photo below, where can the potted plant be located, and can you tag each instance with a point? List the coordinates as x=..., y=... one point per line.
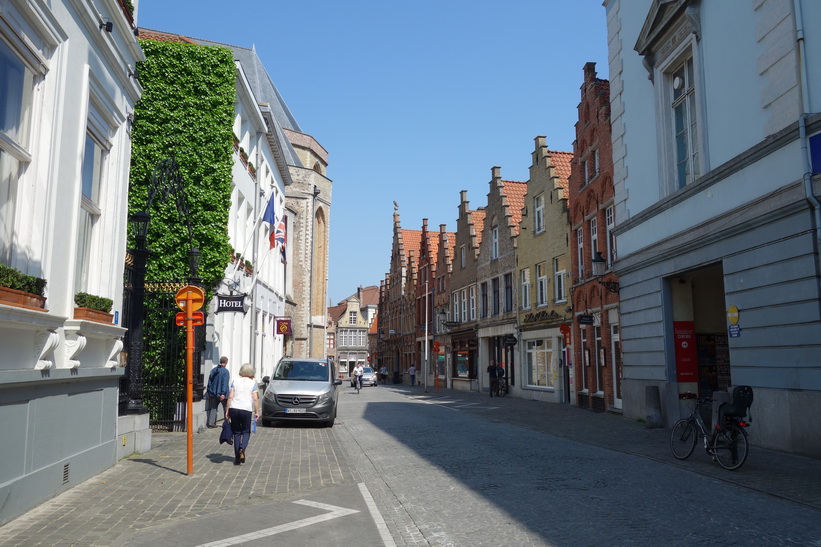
x=93, y=308
x=21, y=290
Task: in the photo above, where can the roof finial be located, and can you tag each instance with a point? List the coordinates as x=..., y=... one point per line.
x=395, y=207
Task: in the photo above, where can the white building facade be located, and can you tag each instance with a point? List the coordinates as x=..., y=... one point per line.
x=715, y=117
x=68, y=92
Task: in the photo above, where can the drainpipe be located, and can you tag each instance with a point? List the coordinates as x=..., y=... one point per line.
x=802, y=131
x=255, y=255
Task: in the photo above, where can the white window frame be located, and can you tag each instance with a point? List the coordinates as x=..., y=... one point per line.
x=463, y=256
x=539, y=364
x=580, y=251
x=494, y=243
x=455, y=305
x=541, y=284
x=538, y=214
x=472, y=297
x=352, y=318
x=558, y=282
x=594, y=236
x=610, y=223
x=464, y=307
x=524, y=278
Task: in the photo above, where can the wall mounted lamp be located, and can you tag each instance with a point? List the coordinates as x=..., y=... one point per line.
x=599, y=266
x=108, y=26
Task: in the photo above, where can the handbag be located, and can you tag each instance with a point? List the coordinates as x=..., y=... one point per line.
x=227, y=434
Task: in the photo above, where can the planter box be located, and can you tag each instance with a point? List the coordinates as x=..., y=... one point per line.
x=20, y=299
x=88, y=314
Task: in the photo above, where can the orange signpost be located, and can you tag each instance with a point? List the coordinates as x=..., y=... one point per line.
x=190, y=299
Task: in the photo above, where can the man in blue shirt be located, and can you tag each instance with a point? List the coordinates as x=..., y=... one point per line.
x=219, y=381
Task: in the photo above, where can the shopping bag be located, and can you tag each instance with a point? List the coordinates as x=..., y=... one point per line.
x=227, y=434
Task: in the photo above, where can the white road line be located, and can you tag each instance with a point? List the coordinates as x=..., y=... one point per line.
x=387, y=539
x=334, y=512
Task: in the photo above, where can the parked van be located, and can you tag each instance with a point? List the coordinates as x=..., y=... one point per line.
x=301, y=389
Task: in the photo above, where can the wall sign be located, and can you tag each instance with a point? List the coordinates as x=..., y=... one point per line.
x=233, y=303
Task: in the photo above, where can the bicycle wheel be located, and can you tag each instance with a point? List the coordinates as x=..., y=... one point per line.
x=683, y=439
x=730, y=447
x=502, y=391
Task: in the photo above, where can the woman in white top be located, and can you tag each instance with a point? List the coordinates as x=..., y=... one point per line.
x=358, y=371
x=243, y=400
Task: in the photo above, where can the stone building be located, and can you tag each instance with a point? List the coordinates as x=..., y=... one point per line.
x=351, y=321
x=596, y=342
x=424, y=304
x=495, y=270
x=543, y=280
x=68, y=93
x=463, y=314
x=716, y=143
x=446, y=243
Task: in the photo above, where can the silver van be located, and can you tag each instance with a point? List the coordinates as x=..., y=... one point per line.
x=301, y=389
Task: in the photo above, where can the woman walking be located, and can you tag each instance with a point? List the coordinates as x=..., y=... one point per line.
x=243, y=400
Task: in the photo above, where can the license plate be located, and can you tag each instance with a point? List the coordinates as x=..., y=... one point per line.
x=295, y=411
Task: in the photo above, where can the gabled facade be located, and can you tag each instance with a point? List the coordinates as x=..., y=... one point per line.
x=718, y=220
x=495, y=274
x=397, y=302
x=351, y=323
x=542, y=279
x=424, y=305
x=68, y=94
x=596, y=341
x=446, y=244
x=463, y=312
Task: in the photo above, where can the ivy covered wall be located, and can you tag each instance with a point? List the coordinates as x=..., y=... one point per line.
x=186, y=111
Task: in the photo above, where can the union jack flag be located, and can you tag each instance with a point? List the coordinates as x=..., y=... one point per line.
x=279, y=237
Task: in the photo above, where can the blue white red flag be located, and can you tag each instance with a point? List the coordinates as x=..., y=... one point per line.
x=279, y=237
x=270, y=218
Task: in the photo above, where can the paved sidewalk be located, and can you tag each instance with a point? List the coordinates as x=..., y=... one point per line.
x=152, y=488
x=795, y=478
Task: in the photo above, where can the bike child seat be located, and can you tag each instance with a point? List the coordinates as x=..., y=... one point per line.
x=742, y=400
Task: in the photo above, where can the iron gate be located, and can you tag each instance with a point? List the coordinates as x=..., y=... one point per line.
x=162, y=368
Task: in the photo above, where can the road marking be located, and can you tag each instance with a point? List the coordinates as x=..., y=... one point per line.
x=333, y=513
x=387, y=539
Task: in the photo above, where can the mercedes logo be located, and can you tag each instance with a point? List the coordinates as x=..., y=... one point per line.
x=295, y=401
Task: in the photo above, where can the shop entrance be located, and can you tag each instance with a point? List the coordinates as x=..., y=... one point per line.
x=702, y=355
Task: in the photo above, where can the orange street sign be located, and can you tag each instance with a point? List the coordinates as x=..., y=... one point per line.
x=192, y=293
x=198, y=318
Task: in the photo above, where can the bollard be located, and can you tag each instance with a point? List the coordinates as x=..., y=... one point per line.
x=652, y=406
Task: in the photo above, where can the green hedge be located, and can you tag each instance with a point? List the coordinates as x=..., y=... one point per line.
x=99, y=303
x=13, y=279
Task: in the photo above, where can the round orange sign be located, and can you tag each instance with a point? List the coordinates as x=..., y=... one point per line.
x=190, y=293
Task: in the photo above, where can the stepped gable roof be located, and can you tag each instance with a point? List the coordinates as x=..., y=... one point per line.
x=263, y=88
x=561, y=166
x=477, y=216
x=515, y=192
x=412, y=240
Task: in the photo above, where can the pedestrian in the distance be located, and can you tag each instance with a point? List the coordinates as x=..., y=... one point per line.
x=493, y=373
x=412, y=373
x=243, y=406
x=383, y=372
x=219, y=382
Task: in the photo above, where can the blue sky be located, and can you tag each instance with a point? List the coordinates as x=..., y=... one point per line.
x=414, y=101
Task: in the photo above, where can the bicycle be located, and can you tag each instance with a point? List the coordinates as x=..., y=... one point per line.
x=501, y=387
x=727, y=444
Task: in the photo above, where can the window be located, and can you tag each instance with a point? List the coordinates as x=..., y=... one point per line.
x=473, y=302
x=495, y=287
x=538, y=209
x=585, y=358
x=580, y=252
x=610, y=222
x=525, y=282
x=484, y=299
x=600, y=359
x=16, y=89
x=462, y=255
x=586, y=167
x=594, y=236
x=455, y=305
x=558, y=285
x=93, y=156
x=541, y=284
x=494, y=243
x=685, y=126
x=464, y=305
x=596, y=162
x=541, y=370
x=352, y=318
x=508, y=292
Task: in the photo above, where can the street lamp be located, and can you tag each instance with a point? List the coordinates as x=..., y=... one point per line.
x=599, y=266
x=139, y=224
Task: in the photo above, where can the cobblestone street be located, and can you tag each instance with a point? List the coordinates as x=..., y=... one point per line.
x=443, y=469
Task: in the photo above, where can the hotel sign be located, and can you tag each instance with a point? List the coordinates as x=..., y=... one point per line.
x=232, y=303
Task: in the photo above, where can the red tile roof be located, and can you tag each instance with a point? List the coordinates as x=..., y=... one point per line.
x=478, y=218
x=515, y=192
x=159, y=36
x=413, y=242
x=561, y=165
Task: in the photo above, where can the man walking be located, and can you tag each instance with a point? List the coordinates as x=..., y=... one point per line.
x=218, y=386
x=412, y=373
x=493, y=373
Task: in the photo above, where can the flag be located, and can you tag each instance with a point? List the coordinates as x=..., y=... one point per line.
x=270, y=218
x=279, y=236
